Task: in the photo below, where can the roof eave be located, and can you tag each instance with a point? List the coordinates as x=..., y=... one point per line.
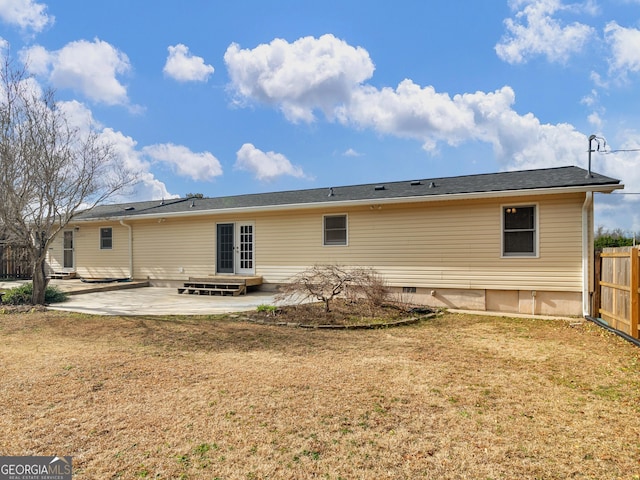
x=606, y=188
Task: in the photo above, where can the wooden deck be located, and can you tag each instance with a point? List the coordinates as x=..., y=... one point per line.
x=220, y=285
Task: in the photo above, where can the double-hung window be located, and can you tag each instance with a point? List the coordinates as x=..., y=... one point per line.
x=106, y=238
x=519, y=231
x=335, y=230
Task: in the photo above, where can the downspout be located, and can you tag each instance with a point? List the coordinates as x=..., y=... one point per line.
x=587, y=253
x=130, y=248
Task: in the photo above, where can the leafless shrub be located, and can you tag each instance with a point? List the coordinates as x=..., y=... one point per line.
x=368, y=287
x=326, y=282
x=403, y=300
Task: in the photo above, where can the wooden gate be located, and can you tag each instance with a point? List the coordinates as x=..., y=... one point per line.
x=14, y=262
x=618, y=288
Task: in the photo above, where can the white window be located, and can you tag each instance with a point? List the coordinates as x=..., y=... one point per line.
x=335, y=230
x=519, y=231
x=106, y=238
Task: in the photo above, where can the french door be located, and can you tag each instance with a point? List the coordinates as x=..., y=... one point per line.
x=235, y=248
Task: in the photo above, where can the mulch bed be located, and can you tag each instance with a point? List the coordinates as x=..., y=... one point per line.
x=342, y=314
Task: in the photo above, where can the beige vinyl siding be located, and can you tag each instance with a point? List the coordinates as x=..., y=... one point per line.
x=447, y=244
x=175, y=248
x=94, y=262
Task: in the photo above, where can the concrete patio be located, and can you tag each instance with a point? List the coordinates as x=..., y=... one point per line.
x=136, y=298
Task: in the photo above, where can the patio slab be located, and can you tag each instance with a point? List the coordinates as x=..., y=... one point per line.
x=139, y=299
x=160, y=301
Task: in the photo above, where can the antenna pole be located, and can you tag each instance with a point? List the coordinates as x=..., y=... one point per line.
x=591, y=139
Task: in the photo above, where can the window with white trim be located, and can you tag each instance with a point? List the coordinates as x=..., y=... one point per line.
x=519, y=235
x=106, y=238
x=335, y=230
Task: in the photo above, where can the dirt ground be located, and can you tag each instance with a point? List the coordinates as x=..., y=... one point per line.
x=451, y=397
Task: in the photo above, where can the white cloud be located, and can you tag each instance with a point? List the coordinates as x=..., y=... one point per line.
x=595, y=120
x=350, y=152
x=625, y=48
x=91, y=68
x=184, y=67
x=290, y=77
x=124, y=149
x=147, y=186
x=612, y=211
x=299, y=77
x=28, y=86
x=519, y=141
x=79, y=116
x=535, y=31
x=26, y=14
x=598, y=81
x=37, y=59
x=622, y=164
x=590, y=99
x=265, y=165
x=620, y=209
x=408, y=111
x=198, y=166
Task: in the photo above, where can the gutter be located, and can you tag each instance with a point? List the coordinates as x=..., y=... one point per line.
x=587, y=253
x=366, y=201
x=130, y=248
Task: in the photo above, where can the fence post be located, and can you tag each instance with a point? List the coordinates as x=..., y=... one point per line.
x=634, y=293
x=597, y=272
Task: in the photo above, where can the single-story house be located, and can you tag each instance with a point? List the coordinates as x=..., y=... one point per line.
x=517, y=241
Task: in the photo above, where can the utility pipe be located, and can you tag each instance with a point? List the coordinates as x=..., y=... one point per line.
x=130, y=248
x=587, y=252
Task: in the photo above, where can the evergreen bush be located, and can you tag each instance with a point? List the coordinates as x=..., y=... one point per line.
x=22, y=295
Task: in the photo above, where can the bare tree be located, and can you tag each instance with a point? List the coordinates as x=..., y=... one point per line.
x=49, y=169
x=326, y=282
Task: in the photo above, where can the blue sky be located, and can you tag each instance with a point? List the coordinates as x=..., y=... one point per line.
x=225, y=98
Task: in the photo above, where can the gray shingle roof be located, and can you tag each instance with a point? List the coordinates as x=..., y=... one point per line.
x=549, y=178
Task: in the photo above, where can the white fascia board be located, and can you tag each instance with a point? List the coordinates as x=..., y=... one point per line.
x=368, y=201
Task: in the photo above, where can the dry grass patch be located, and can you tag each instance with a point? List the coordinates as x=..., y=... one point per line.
x=453, y=397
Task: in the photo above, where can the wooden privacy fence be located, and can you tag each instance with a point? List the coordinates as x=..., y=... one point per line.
x=14, y=262
x=618, y=288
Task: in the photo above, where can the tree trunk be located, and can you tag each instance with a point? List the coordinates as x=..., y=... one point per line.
x=326, y=305
x=40, y=282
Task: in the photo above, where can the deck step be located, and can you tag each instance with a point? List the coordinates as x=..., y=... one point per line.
x=62, y=275
x=213, y=288
x=220, y=285
x=210, y=291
